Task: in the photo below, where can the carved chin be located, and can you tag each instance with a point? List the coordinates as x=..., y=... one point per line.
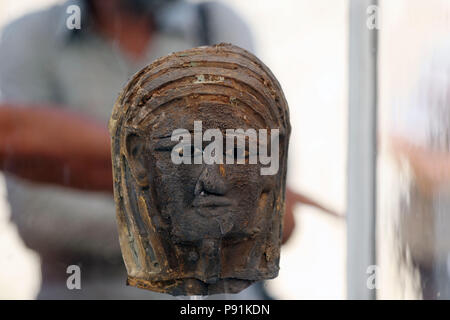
x=191, y=286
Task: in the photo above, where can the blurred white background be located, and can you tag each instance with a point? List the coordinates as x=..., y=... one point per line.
x=410, y=31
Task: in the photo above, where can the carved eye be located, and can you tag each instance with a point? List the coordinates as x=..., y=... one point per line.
x=239, y=153
x=196, y=152
x=179, y=150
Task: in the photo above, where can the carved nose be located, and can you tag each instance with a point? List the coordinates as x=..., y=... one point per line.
x=211, y=181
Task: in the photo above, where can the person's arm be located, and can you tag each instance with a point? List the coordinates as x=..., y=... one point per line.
x=292, y=200
x=45, y=144
x=431, y=168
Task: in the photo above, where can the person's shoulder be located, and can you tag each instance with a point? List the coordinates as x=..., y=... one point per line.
x=219, y=6
x=228, y=25
x=38, y=27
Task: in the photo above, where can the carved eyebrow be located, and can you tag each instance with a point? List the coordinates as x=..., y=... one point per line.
x=164, y=144
x=162, y=137
x=168, y=136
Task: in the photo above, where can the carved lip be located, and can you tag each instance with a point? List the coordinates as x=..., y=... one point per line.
x=211, y=201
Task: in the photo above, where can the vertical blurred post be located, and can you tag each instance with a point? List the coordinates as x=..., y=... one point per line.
x=361, y=188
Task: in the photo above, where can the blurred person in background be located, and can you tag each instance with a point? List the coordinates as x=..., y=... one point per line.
x=423, y=140
x=58, y=86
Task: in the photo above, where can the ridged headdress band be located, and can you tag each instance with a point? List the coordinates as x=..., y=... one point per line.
x=224, y=70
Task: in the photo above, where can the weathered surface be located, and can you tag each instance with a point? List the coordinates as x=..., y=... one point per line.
x=197, y=229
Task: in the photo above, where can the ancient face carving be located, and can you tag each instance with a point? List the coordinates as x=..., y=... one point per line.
x=214, y=201
x=199, y=227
